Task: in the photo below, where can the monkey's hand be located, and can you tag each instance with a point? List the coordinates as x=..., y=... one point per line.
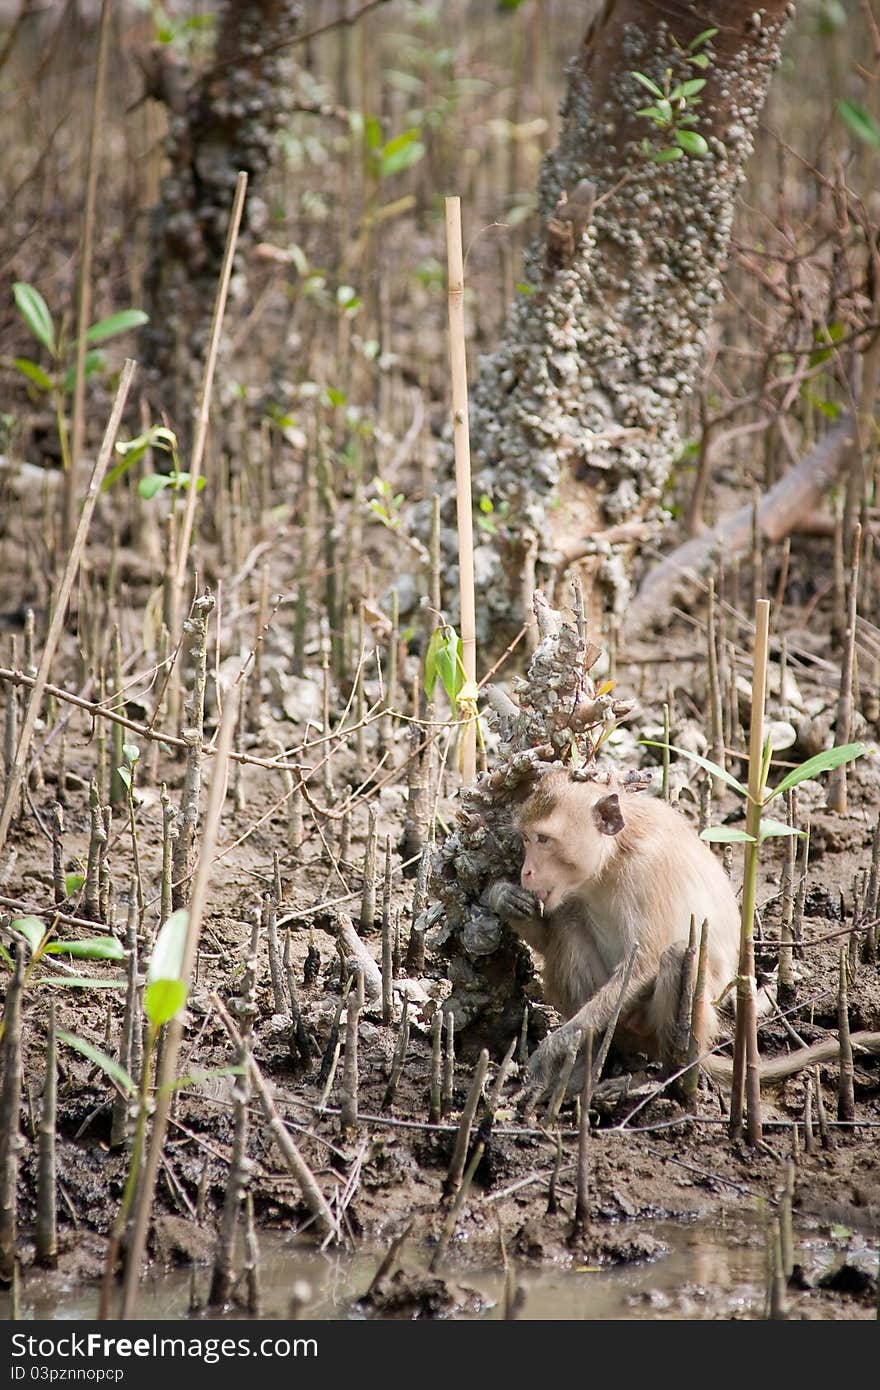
x=508, y=900
x=547, y=1059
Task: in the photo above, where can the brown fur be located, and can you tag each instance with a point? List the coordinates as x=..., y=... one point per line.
x=611, y=869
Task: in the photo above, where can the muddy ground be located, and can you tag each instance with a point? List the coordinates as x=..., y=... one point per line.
x=661, y=1162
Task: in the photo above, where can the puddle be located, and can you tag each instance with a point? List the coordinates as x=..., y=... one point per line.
x=709, y=1271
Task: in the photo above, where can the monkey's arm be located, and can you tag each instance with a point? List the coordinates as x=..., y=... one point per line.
x=519, y=909
x=546, y=1060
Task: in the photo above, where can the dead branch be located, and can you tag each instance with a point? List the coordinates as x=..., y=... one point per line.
x=779, y=512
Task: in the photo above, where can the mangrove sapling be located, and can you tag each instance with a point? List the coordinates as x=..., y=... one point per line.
x=10, y=1104
x=446, y=1098
x=582, y=1202
x=435, y=1087
x=59, y=381
x=846, y=1105
x=59, y=884
x=368, y=898
x=46, y=1235
x=130, y=1055
x=237, y=1183
x=270, y=923
x=105, y=883
x=97, y=838
x=126, y=774
x=118, y=787
x=196, y=628
x=399, y=1057
x=387, y=941
x=301, y=1046
x=348, y=1091
x=463, y=1135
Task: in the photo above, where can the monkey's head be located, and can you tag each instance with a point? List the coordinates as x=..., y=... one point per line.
x=568, y=830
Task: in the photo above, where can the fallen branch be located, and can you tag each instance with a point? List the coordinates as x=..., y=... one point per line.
x=795, y=496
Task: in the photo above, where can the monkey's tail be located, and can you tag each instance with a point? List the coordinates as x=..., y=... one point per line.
x=778, y=1068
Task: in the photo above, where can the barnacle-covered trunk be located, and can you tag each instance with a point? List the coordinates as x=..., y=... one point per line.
x=225, y=121
x=558, y=719
x=574, y=417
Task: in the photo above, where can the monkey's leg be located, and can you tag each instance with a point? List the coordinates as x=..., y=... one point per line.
x=596, y=1014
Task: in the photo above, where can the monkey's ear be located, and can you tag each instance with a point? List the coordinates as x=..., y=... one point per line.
x=606, y=814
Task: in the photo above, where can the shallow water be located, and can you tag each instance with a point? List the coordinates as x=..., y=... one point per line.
x=710, y=1270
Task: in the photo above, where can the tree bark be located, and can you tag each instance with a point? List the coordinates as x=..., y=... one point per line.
x=223, y=122
x=574, y=417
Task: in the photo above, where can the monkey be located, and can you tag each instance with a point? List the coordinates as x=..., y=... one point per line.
x=598, y=877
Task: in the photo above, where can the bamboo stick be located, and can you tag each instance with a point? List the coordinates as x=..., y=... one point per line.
x=462, y=447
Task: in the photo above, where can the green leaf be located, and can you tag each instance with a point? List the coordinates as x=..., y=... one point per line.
x=401, y=159
x=94, y=361
x=699, y=60
x=656, y=113
x=31, y=928
x=116, y=323
x=96, y=948
x=166, y=958
x=692, y=142
x=646, y=82
x=667, y=156
x=130, y=753
x=166, y=992
x=703, y=37
x=860, y=122
x=6, y=958
x=726, y=835
x=715, y=770
x=154, y=483
x=163, y=1000
x=35, y=312
x=33, y=372
x=124, y=776
x=692, y=86
x=769, y=828
x=443, y=660
x=107, y=1064
x=73, y=883
x=823, y=762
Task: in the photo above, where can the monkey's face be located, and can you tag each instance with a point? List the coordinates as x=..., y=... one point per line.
x=552, y=868
x=569, y=848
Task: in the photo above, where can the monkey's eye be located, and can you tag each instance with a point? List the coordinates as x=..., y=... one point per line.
x=542, y=839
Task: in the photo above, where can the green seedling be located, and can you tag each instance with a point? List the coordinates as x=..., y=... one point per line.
x=443, y=663
x=41, y=942
x=58, y=381
x=131, y=451
x=672, y=110
x=813, y=767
